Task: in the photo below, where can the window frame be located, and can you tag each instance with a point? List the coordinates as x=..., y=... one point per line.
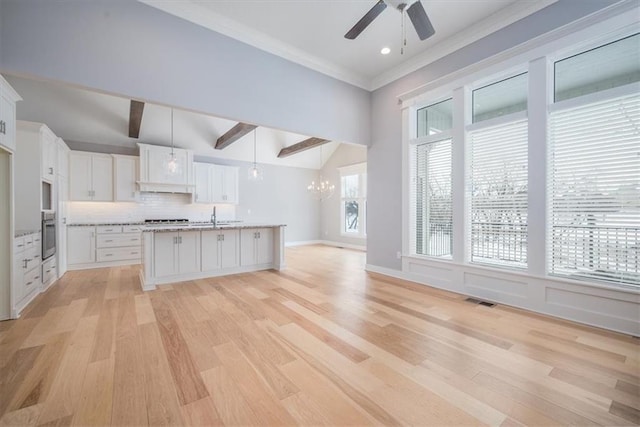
x=360, y=170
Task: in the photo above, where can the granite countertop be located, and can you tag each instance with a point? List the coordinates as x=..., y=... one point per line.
x=207, y=226
x=94, y=224
x=20, y=233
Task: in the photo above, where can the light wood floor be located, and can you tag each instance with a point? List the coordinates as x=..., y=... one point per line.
x=320, y=343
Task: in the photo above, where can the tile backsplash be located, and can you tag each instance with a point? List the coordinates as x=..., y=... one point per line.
x=149, y=206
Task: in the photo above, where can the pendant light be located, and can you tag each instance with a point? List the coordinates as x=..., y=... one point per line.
x=323, y=189
x=255, y=173
x=172, y=165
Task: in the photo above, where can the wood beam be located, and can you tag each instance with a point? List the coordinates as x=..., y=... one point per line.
x=234, y=134
x=135, y=118
x=302, y=146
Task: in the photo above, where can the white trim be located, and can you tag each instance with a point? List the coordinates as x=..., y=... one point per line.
x=191, y=11
x=497, y=121
x=344, y=245
x=87, y=266
x=444, y=135
x=599, y=25
x=592, y=98
x=536, y=293
x=302, y=243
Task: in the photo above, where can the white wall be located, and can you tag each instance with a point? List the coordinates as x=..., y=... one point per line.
x=130, y=49
x=330, y=218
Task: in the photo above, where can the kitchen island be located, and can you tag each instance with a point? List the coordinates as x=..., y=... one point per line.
x=177, y=253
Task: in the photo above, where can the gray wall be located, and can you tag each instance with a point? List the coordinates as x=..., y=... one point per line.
x=130, y=49
x=330, y=217
x=384, y=156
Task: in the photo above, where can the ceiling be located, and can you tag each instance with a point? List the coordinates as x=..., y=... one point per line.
x=84, y=116
x=311, y=32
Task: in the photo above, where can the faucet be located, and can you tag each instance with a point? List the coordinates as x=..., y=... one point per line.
x=213, y=217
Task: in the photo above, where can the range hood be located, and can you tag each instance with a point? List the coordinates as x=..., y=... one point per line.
x=157, y=177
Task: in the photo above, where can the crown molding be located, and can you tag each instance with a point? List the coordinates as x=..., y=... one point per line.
x=193, y=12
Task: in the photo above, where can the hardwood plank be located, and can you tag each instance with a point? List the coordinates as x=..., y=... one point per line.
x=163, y=407
x=186, y=377
x=144, y=310
x=129, y=406
x=22, y=417
x=201, y=413
x=624, y=411
x=94, y=407
x=12, y=374
x=104, y=342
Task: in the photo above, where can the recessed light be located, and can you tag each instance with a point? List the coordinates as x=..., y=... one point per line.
x=385, y=51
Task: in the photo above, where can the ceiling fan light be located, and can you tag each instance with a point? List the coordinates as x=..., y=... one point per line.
x=385, y=50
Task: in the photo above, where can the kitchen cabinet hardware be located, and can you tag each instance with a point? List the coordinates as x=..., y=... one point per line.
x=108, y=254
x=108, y=241
x=50, y=171
x=21, y=245
x=28, y=283
x=3, y=127
x=26, y=263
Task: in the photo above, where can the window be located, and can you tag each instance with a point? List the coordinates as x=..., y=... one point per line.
x=498, y=175
x=594, y=177
x=353, y=187
x=431, y=207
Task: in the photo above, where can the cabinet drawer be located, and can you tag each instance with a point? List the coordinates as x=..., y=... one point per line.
x=108, y=229
x=118, y=254
x=28, y=241
x=18, y=245
x=114, y=241
x=31, y=282
x=49, y=270
x=131, y=228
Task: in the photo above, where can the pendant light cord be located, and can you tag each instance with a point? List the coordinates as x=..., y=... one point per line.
x=172, y=154
x=254, y=146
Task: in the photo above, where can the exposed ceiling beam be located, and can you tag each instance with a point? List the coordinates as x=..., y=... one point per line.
x=234, y=134
x=135, y=118
x=301, y=146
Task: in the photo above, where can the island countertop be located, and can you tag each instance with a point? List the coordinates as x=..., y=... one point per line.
x=207, y=226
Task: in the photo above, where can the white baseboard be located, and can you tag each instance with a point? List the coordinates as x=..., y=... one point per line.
x=303, y=243
x=327, y=243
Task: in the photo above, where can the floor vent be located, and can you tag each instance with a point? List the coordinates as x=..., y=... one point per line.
x=480, y=302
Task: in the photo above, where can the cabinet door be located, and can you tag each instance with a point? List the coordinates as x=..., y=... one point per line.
x=61, y=222
x=63, y=158
x=230, y=183
x=81, y=247
x=125, y=174
x=7, y=124
x=49, y=157
x=18, y=275
x=217, y=184
x=102, y=178
x=210, y=252
x=202, y=182
x=264, y=246
x=80, y=176
x=229, y=253
x=164, y=254
x=189, y=251
x=248, y=247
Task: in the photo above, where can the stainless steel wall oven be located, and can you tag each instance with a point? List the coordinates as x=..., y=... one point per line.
x=48, y=234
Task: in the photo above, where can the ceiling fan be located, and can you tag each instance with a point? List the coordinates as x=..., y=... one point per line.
x=414, y=9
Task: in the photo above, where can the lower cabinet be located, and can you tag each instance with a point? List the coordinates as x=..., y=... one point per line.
x=27, y=276
x=256, y=246
x=220, y=249
x=49, y=271
x=81, y=246
x=176, y=253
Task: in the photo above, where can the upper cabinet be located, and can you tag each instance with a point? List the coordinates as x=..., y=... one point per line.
x=8, y=99
x=63, y=158
x=159, y=173
x=225, y=184
x=215, y=183
x=90, y=177
x=125, y=178
x=48, y=161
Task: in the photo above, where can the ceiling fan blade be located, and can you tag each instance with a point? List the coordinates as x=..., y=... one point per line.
x=420, y=21
x=366, y=20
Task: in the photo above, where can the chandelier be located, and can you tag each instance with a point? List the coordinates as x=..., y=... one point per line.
x=322, y=189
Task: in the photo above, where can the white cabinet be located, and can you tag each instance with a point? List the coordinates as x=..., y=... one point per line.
x=125, y=177
x=225, y=184
x=8, y=98
x=176, y=253
x=27, y=276
x=155, y=173
x=202, y=181
x=215, y=183
x=81, y=247
x=49, y=272
x=90, y=177
x=49, y=158
x=220, y=249
x=256, y=246
x=63, y=158
x=118, y=243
